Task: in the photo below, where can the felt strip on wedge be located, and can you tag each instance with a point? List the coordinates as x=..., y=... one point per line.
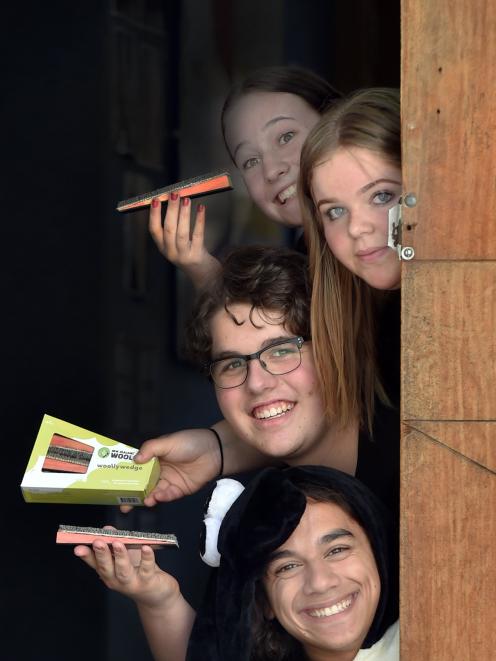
x=66, y=455
x=85, y=535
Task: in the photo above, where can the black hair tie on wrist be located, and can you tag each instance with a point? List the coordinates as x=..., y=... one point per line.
x=221, y=471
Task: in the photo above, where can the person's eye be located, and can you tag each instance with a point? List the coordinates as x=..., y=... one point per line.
x=283, y=352
x=250, y=163
x=231, y=365
x=285, y=568
x=382, y=197
x=337, y=551
x=286, y=137
x=334, y=213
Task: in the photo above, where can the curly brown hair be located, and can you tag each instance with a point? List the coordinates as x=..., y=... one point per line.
x=271, y=280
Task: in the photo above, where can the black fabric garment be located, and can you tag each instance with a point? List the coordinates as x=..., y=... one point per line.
x=378, y=456
x=260, y=520
x=388, y=340
x=378, y=464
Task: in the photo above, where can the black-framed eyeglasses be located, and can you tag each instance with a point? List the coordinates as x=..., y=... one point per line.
x=277, y=358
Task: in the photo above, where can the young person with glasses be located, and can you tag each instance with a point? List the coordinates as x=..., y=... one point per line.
x=251, y=334
x=267, y=417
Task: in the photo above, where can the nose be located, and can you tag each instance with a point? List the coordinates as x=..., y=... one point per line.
x=274, y=167
x=319, y=577
x=360, y=222
x=258, y=379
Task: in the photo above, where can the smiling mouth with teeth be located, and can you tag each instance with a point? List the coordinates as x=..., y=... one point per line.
x=287, y=194
x=273, y=411
x=334, y=609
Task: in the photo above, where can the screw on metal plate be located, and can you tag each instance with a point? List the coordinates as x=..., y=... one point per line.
x=410, y=200
x=407, y=253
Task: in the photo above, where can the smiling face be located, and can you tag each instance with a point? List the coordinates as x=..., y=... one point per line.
x=265, y=132
x=322, y=584
x=353, y=191
x=281, y=416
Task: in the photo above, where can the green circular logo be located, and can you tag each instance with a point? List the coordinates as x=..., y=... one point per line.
x=103, y=452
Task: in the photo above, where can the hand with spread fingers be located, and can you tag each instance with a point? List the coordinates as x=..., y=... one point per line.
x=132, y=572
x=166, y=616
x=177, y=242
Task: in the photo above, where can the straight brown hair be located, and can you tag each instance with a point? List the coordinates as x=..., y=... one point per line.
x=342, y=306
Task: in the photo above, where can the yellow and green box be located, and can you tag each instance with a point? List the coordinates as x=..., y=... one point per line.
x=70, y=464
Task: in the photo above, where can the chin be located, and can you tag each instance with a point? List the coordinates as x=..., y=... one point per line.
x=292, y=217
x=383, y=282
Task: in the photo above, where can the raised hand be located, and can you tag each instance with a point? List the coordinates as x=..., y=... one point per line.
x=177, y=243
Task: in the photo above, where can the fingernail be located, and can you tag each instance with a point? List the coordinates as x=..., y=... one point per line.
x=174, y=196
x=98, y=546
x=185, y=201
x=154, y=203
x=201, y=207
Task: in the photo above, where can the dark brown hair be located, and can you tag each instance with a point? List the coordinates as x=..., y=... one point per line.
x=266, y=278
x=310, y=87
x=270, y=640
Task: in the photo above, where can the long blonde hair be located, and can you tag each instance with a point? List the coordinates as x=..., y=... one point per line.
x=342, y=308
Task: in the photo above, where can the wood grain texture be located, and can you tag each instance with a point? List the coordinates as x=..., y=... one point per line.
x=449, y=341
x=449, y=127
x=448, y=410
x=476, y=441
x=448, y=568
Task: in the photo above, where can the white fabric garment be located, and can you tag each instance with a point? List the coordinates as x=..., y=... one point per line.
x=385, y=649
x=223, y=496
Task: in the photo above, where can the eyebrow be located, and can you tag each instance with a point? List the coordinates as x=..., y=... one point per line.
x=274, y=120
x=362, y=190
x=325, y=539
x=231, y=353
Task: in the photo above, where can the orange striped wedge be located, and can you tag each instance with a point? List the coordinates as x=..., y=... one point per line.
x=213, y=182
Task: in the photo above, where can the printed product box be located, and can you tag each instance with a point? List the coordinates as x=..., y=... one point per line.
x=70, y=464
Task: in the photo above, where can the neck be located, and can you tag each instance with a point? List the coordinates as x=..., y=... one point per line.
x=338, y=449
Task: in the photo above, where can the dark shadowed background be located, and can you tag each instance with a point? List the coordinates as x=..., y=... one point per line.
x=100, y=101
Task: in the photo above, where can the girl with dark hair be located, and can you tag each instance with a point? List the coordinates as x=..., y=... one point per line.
x=265, y=120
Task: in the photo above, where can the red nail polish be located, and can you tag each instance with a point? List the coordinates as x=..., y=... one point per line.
x=174, y=196
x=185, y=201
x=154, y=203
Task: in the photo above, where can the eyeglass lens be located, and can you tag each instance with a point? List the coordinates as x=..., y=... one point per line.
x=277, y=359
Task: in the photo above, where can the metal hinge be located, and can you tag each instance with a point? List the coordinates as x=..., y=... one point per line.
x=395, y=227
